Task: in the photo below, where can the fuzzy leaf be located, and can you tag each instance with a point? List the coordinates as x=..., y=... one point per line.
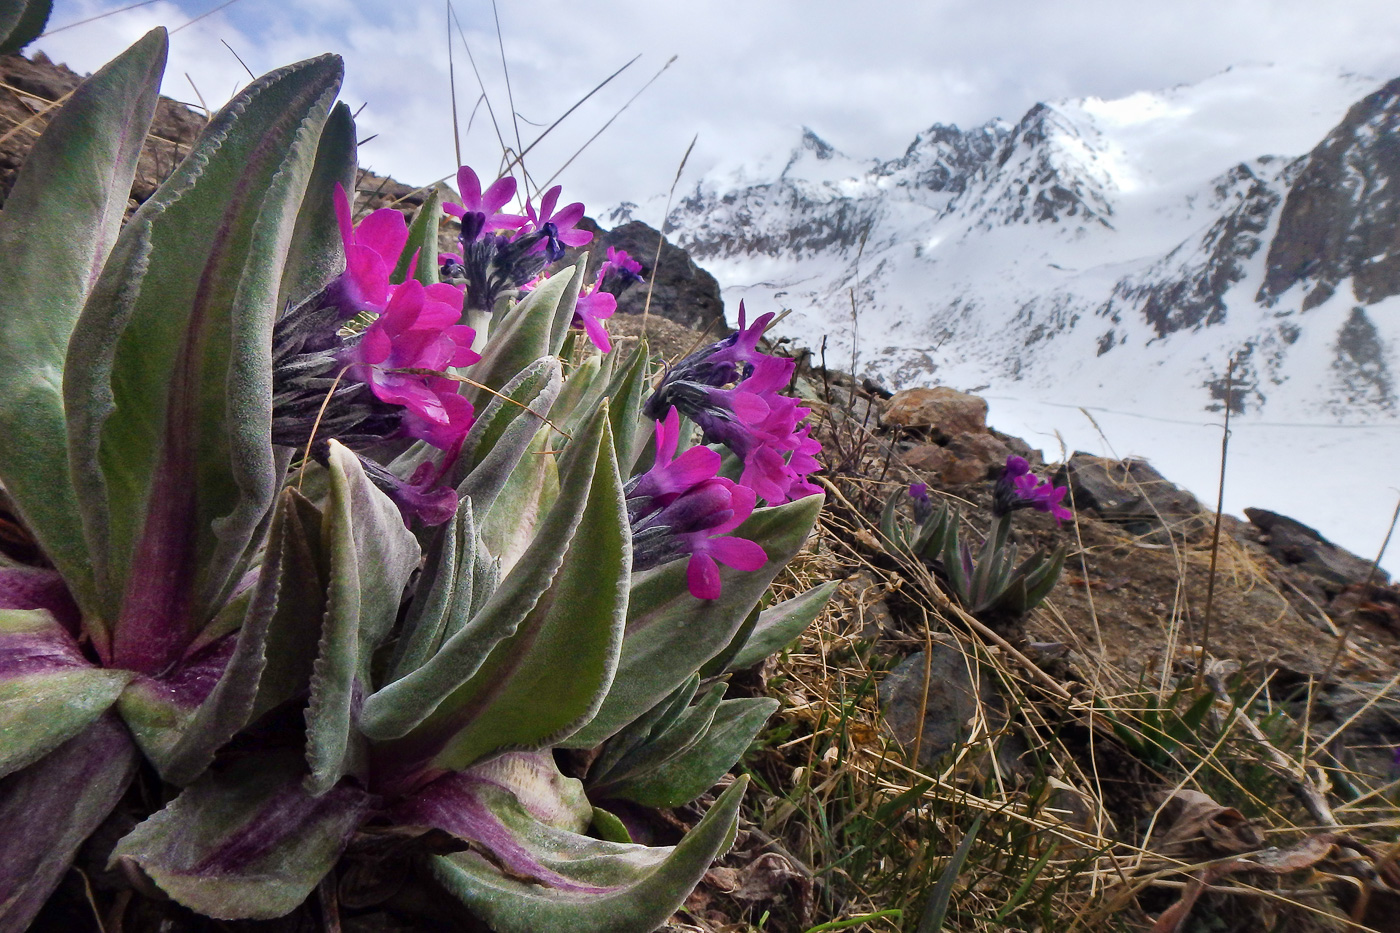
x=21, y=22
x=315, y=255
x=519, y=507
x=246, y=843
x=505, y=430
x=552, y=629
x=59, y=223
x=671, y=634
x=523, y=334
x=680, y=778
x=665, y=742
x=370, y=556
x=443, y=589
x=48, y=691
x=49, y=808
x=780, y=625
x=175, y=337
x=611, y=887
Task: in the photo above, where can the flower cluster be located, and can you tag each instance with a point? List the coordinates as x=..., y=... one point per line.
x=500, y=252
x=682, y=507
x=761, y=427
x=1019, y=488
x=357, y=361
x=598, y=302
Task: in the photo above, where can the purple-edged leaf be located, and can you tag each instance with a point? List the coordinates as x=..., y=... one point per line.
x=608, y=887
x=170, y=397
x=49, y=808
x=546, y=677
x=59, y=222
x=39, y=588
x=246, y=843
x=370, y=555
x=316, y=255
x=453, y=803
x=671, y=634
x=182, y=718
x=48, y=691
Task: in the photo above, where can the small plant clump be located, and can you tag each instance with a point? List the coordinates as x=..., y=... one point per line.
x=351, y=548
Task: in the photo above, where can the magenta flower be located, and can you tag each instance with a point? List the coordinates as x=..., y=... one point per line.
x=372, y=251
x=1019, y=488
x=619, y=270
x=681, y=507
x=480, y=212
x=419, y=330
x=557, y=228
x=593, y=307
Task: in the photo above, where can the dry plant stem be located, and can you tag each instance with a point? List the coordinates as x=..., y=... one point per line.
x=476, y=71
x=452, y=85
x=93, y=19
x=604, y=127
x=661, y=231
x=510, y=94
x=1215, y=536
x=206, y=13
x=35, y=116
x=549, y=129
x=923, y=699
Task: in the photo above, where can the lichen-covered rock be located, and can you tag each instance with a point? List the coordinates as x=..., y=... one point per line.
x=947, y=412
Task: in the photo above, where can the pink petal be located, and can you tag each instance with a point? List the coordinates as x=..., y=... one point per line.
x=375, y=346
x=469, y=187
x=668, y=436
x=384, y=231
x=575, y=237
x=739, y=553
x=551, y=197
x=694, y=466
x=498, y=195
x=568, y=216
x=702, y=576
x=597, y=333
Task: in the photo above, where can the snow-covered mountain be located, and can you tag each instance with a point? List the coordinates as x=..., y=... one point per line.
x=1108, y=254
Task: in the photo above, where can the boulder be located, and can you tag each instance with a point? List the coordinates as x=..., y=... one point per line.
x=1132, y=493
x=943, y=411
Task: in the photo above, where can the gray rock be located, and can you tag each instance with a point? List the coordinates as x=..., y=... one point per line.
x=1132, y=493
x=1295, y=545
x=952, y=701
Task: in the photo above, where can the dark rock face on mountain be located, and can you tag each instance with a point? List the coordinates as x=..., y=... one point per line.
x=681, y=290
x=1342, y=216
x=943, y=157
x=1187, y=288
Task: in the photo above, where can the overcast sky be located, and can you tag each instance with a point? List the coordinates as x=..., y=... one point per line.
x=748, y=74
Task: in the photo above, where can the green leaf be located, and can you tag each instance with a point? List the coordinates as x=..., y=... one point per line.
x=671, y=634
x=519, y=507
x=680, y=778
x=666, y=741
x=551, y=634
x=609, y=828
x=443, y=593
x=618, y=888
x=936, y=910
x=21, y=22
x=422, y=241
x=780, y=625
x=48, y=691
x=175, y=338
x=51, y=807
x=655, y=721
x=58, y=225
x=316, y=255
x=524, y=332
x=247, y=843
x=370, y=556
x=503, y=432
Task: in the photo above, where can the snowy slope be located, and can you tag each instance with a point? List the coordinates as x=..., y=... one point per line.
x=1115, y=255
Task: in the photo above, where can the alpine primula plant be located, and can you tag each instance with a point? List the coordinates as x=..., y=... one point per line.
x=342, y=543
x=992, y=585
